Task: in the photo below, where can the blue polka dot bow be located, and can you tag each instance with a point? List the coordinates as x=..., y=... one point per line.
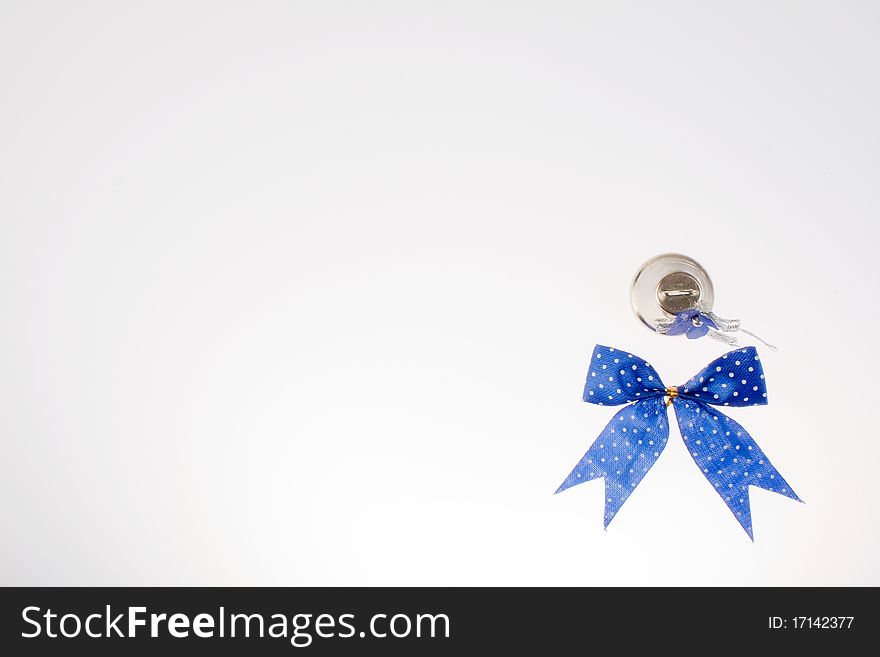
x=631, y=443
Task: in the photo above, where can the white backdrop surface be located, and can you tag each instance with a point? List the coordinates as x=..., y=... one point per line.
x=304, y=293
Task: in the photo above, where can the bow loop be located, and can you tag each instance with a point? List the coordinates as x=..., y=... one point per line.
x=617, y=377
x=733, y=379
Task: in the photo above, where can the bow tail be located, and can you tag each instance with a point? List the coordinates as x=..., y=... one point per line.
x=729, y=458
x=624, y=452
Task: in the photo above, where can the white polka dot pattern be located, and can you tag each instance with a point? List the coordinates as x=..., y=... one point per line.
x=632, y=442
x=624, y=452
x=728, y=457
x=617, y=377
x=734, y=379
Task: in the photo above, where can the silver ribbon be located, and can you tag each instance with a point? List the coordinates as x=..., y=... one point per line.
x=725, y=327
x=729, y=326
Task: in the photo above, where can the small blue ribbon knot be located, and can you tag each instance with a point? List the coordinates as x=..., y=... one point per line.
x=632, y=441
x=693, y=323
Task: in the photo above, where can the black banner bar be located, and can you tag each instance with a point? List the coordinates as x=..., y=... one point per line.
x=179, y=621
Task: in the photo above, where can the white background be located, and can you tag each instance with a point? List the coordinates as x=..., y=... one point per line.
x=305, y=292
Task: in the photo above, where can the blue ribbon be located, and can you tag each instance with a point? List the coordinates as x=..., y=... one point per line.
x=632, y=442
x=684, y=323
